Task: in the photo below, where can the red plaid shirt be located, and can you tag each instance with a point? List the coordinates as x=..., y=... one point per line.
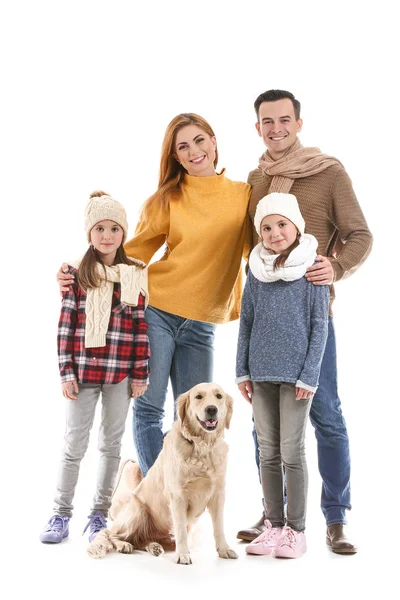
x=127, y=348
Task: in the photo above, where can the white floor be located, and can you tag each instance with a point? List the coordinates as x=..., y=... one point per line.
x=65, y=571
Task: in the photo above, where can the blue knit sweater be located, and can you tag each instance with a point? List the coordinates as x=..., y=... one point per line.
x=283, y=331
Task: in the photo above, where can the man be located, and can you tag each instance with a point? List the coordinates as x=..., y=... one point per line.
x=332, y=214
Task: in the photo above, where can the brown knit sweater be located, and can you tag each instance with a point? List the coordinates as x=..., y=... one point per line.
x=331, y=212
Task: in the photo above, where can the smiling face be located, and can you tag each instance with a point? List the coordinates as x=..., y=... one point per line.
x=106, y=237
x=205, y=407
x=278, y=233
x=278, y=126
x=195, y=151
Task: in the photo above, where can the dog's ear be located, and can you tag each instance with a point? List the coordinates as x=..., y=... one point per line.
x=229, y=410
x=181, y=407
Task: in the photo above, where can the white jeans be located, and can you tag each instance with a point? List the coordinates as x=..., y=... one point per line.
x=79, y=420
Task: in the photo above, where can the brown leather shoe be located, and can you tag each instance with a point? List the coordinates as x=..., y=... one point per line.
x=248, y=535
x=338, y=542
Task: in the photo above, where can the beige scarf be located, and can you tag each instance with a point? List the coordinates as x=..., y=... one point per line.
x=297, y=162
x=133, y=279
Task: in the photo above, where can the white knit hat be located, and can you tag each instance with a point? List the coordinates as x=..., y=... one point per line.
x=278, y=203
x=101, y=207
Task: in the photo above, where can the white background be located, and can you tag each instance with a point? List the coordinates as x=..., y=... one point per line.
x=87, y=90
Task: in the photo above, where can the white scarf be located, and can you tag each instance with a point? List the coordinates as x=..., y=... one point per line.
x=133, y=280
x=261, y=262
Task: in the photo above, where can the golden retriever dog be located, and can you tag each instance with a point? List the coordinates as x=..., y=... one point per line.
x=187, y=477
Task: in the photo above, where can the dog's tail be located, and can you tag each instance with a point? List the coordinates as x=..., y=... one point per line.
x=128, y=478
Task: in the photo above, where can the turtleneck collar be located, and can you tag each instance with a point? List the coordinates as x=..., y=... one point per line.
x=203, y=183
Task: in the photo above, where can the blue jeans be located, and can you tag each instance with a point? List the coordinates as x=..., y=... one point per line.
x=181, y=350
x=332, y=440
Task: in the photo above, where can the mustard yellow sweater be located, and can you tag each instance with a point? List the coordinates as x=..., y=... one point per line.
x=207, y=231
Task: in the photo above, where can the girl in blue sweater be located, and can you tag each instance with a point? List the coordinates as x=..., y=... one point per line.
x=282, y=336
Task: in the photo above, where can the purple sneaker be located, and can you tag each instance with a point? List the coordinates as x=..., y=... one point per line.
x=56, y=530
x=292, y=544
x=96, y=523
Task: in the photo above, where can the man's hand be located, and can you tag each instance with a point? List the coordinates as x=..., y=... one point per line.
x=322, y=273
x=70, y=389
x=246, y=389
x=64, y=278
x=138, y=389
x=302, y=394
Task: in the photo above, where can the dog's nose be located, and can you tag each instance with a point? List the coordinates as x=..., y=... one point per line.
x=211, y=411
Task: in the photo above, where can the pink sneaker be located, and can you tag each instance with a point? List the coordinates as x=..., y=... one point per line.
x=266, y=542
x=292, y=544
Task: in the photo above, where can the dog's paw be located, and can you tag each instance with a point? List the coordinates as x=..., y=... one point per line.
x=96, y=550
x=155, y=549
x=227, y=553
x=123, y=547
x=183, y=559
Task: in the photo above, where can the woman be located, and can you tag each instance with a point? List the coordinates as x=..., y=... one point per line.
x=202, y=217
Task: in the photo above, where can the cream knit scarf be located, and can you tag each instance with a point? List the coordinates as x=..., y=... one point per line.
x=261, y=262
x=133, y=279
x=297, y=162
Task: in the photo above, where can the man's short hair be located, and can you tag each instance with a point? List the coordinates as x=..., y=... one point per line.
x=273, y=96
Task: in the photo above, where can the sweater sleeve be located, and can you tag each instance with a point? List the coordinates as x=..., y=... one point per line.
x=150, y=234
x=248, y=239
x=309, y=375
x=353, y=230
x=245, y=327
x=66, y=331
x=140, y=370
x=252, y=210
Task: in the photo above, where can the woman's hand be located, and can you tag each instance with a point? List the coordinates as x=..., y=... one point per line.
x=246, y=389
x=302, y=394
x=138, y=389
x=70, y=389
x=64, y=278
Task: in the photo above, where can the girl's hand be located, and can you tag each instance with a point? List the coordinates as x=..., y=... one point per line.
x=246, y=389
x=138, y=389
x=322, y=273
x=302, y=394
x=64, y=278
x=70, y=389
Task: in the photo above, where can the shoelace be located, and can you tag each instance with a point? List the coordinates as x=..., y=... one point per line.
x=275, y=533
x=288, y=538
x=265, y=535
x=56, y=523
x=96, y=523
x=270, y=534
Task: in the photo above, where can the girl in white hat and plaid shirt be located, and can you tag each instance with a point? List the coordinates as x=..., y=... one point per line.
x=103, y=349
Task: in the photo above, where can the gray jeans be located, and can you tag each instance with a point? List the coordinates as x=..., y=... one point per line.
x=280, y=421
x=79, y=420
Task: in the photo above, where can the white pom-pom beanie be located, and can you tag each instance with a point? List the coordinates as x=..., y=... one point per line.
x=105, y=208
